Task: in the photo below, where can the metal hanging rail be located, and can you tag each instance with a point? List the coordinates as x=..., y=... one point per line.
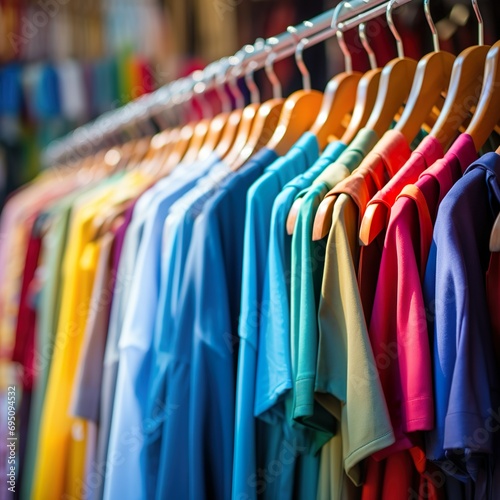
x=90, y=137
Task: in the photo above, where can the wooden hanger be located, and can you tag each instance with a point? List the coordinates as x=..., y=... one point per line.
x=161, y=145
x=263, y=126
x=229, y=134
x=463, y=93
x=298, y=114
x=138, y=153
x=179, y=149
x=199, y=134
x=486, y=117
x=432, y=78
x=366, y=92
x=431, y=82
x=245, y=119
x=339, y=98
x=214, y=135
x=395, y=84
x=487, y=113
x=299, y=111
x=465, y=88
x=244, y=129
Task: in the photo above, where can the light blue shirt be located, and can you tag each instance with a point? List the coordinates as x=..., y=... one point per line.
x=177, y=231
x=259, y=202
x=127, y=477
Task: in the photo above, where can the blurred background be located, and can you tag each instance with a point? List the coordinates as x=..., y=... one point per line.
x=64, y=62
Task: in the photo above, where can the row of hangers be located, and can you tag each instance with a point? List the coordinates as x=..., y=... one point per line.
x=439, y=92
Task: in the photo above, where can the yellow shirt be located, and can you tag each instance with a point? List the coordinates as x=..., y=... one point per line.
x=62, y=443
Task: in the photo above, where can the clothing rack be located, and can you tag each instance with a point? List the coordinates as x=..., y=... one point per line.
x=104, y=129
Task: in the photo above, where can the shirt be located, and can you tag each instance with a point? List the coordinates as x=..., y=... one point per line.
x=24, y=347
x=346, y=379
x=398, y=327
x=177, y=233
x=135, y=342
x=260, y=198
x=425, y=154
x=466, y=379
x=87, y=389
x=308, y=260
x=197, y=444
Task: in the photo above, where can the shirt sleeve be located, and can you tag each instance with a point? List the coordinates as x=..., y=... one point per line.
x=346, y=368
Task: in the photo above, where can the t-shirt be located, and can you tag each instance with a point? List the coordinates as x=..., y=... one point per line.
x=346, y=379
x=307, y=272
x=177, y=233
x=398, y=327
x=466, y=379
x=260, y=198
x=87, y=389
x=197, y=444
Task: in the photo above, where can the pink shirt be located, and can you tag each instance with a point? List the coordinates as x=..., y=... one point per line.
x=398, y=327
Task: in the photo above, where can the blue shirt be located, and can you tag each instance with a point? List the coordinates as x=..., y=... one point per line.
x=197, y=443
x=127, y=478
x=466, y=378
x=260, y=199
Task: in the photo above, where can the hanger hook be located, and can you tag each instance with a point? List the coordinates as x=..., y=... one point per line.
x=340, y=36
x=393, y=29
x=250, y=82
x=366, y=46
x=220, y=82
x=235, y=64
x=432, y=26
x=199, y=87
x=271, y=75
x=249, y=78
x=480, y=25
x=299, y=49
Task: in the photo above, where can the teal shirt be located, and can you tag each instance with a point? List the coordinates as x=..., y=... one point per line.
x=308, y=258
